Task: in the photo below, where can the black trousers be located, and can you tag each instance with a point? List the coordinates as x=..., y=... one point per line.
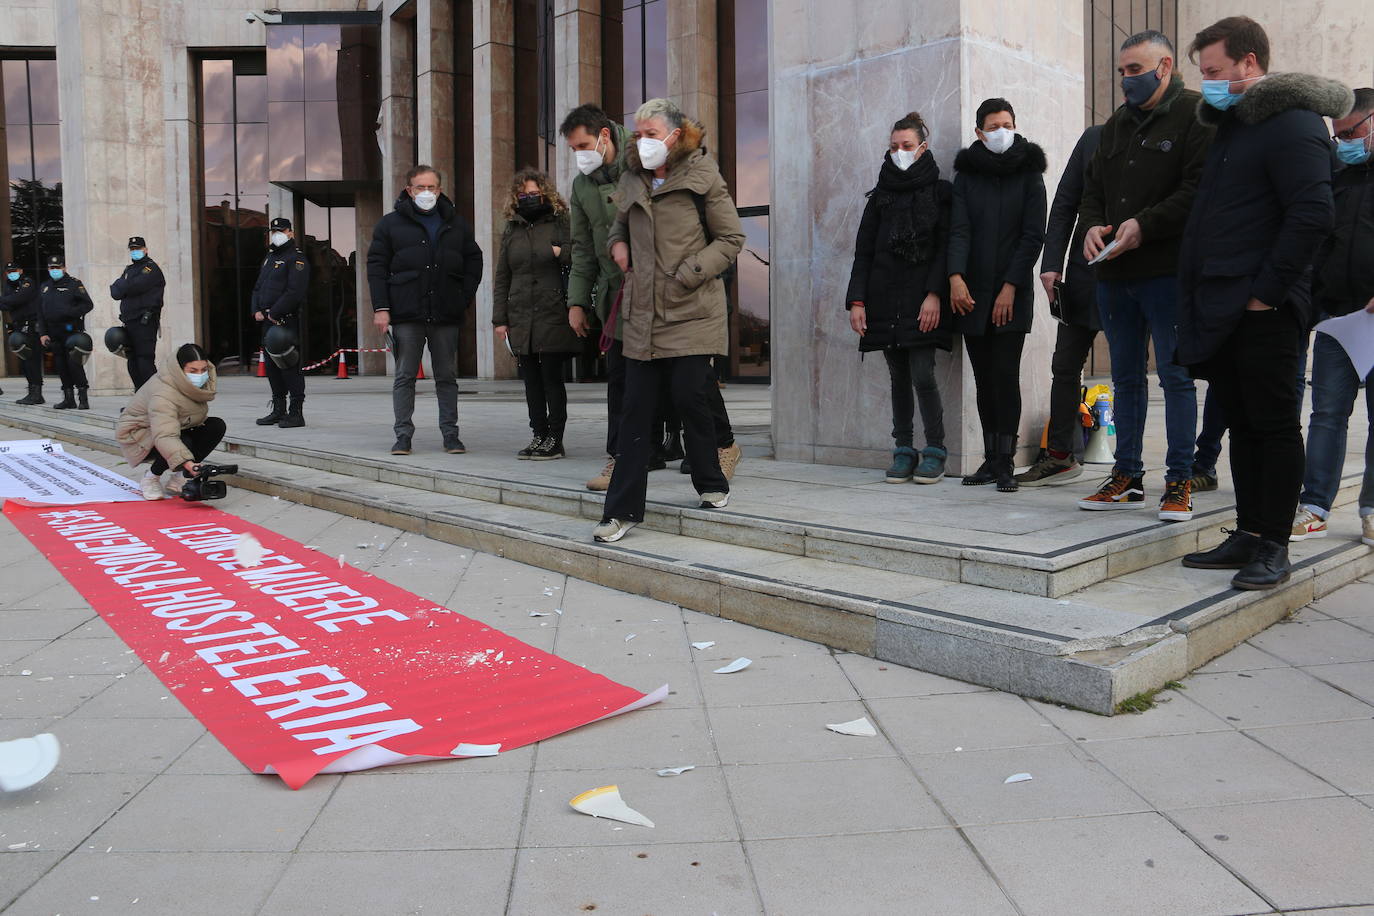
x=33, y=363
x=615, y=395
x=142, y=350
x=1071, y=348
x=668, y=420
x=688, y=377
x=71, y=370
x=200, y=440
x=284, y=381
x=912, y=373
x=1254, y=378
x=545, y=394
x=996, y=361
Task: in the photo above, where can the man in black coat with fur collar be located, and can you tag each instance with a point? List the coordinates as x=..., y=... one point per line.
x=1263, y=207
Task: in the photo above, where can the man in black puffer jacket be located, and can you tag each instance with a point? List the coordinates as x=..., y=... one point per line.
x=423, y=268
x=1263, y=206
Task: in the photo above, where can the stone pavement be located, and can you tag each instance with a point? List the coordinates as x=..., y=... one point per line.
x=1249, y=791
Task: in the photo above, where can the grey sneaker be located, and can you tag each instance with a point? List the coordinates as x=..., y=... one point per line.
x=1049, y=470
x=611, y=530
x=932, y=466
x=715, y=500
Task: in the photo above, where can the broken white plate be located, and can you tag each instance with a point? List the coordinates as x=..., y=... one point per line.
x=606, y=802
x=675, y=771
x=738, y=664
x=631, y=636
x=248, y=552
x=27, y=761
x=861, y=728
x=476, y=750
x=539, y=613
x=1017, y=777
x=703, y=645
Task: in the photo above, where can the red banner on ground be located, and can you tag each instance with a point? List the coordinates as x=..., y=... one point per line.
x=302, y=665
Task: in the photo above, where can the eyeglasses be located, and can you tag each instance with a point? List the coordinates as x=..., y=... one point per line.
x=1349, y=132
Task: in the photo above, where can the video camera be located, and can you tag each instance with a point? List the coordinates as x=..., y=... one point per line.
x=203, y=486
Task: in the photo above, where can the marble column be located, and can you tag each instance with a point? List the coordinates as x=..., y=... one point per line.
x=692, y=70
x=840, y=77
x=368, y=207
x=1335, y=46
x=434, y=85
x=493, y=142
x=577, y=63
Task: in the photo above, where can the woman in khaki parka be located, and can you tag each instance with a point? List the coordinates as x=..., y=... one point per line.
x=529, y=305
x=168, y=422
x=676, y=232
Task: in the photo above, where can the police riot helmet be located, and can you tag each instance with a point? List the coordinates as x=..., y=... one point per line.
x=80, y=345
x=282, y=346
x=117, y=341
x=19, y=344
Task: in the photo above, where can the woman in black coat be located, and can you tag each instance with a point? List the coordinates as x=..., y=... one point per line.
x=897, y=290
x=996, y=231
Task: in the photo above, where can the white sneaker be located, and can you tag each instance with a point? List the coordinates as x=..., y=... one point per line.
x=151, y=485
x=715, y=500
x=611, y=530
x=1367, y=529
x=1307, y=524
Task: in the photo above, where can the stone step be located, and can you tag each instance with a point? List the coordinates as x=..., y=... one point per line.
x=1092, y=649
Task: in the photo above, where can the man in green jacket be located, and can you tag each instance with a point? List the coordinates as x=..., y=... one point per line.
x=1139, y=190
x=600, y=146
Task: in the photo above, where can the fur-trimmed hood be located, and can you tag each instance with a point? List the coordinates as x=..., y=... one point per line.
x=1280, y=92
x=978, y=158
x=691, y=140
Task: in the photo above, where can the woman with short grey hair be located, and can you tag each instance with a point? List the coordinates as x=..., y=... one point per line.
x=676, y=233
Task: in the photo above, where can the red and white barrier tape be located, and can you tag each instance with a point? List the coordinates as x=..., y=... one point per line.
x=333, y=356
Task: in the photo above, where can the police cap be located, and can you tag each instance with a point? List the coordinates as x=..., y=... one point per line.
x=56, y=260
x=136, y=241
x=281, y=223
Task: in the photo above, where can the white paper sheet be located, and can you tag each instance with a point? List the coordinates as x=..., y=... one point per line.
x=1101, y=255
x=58, y=478
x=1355, y=334
x=30, y=447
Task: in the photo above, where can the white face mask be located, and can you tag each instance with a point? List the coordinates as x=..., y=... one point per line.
x=278, y=239
x=904, y=158
x=999, y=140
x=652, y=152
x=426, y=200
x=589, y=160
x=198, y=378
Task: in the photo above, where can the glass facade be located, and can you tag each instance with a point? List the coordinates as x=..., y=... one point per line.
x=34, y=162
x=328, y=236
x=644, y=55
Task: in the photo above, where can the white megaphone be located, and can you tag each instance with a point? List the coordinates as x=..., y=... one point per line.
x=1099, y=449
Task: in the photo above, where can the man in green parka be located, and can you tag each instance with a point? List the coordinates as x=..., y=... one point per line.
x=600, y=146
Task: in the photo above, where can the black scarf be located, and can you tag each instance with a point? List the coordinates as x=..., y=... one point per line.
x=533, y=212
x=1020, y=157
x=907, y=199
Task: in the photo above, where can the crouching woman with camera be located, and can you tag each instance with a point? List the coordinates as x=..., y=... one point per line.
x=168, y=422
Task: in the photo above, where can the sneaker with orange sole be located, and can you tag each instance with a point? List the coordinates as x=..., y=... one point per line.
x=1307, y=524
x=1177, y=504
x=1119, y=492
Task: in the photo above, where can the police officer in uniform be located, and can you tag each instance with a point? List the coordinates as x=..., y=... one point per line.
x=277, y=298
x=139, y=292
x=63, y=304
x=20, y=300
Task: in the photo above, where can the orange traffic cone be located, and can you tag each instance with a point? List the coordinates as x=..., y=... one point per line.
x=420, y=371
x=262, y=364
x=343, y=367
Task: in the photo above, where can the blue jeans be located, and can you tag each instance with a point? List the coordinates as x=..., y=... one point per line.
x=1133, y=314
x=1335, y=387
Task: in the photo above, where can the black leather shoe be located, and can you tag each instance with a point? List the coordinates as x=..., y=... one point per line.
x=1235, y=552
x=1268, y=569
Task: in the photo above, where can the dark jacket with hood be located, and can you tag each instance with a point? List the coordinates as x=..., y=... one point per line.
x=281, y=284
x=1064, y=235
x=63, y=305
x=527, y=293
x=1343, y=271
x=997, y=227
x=139, y=291
x=416, y=280
x=20, y=299
x=899, y=257
x=1147, y=168
x=595, y=279
x=1263, y=206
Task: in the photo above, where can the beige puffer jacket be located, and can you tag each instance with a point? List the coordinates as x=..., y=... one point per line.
x=674, y=301
x=166, y=405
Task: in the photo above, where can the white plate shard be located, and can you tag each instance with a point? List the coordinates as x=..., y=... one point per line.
x=738, y=664
x=676, y=771
x=631, y=636
x=248, y=552
x=27, y=761
x=860, y=728
x=606, y=802
x=703, y=645
x=476, y=750
x=539, y=613
x=1017, y=777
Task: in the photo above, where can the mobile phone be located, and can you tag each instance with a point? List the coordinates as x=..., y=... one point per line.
x=1057, y=301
